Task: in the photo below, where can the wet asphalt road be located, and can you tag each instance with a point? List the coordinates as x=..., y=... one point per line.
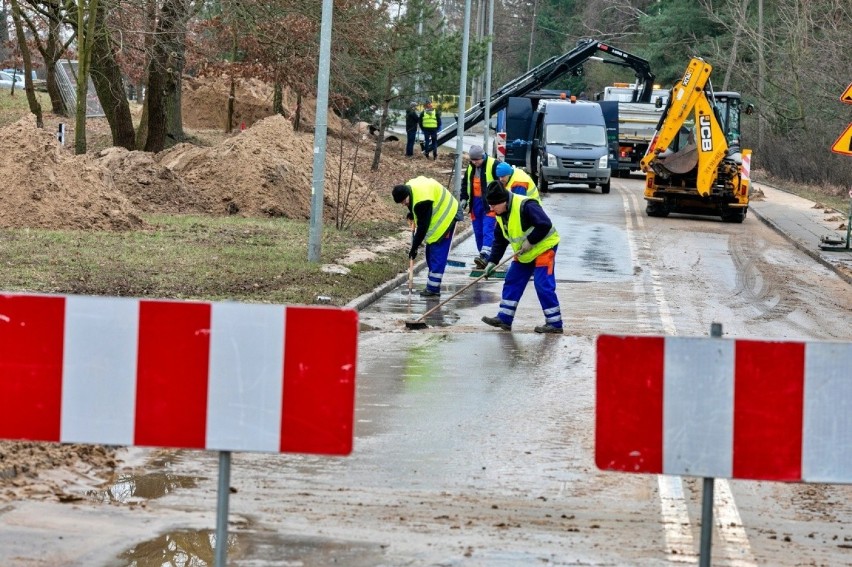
x=475, y=446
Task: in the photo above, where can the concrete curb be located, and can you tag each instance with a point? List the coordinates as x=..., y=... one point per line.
x=365, y=300
x=815, y=254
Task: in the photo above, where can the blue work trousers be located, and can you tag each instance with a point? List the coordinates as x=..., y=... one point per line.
x=543, y=272
x=483, y=226
x=436, y=259
x=430, y=138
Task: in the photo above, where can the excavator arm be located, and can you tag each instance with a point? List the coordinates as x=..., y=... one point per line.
x=707, y=148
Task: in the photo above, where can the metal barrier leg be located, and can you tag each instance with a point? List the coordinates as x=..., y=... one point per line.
x=222, y=509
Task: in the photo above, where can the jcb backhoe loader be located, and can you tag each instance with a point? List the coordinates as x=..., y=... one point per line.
x=694, y=163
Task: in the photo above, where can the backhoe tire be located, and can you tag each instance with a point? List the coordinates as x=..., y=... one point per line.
x=656, y=210
x=605, y=187
x=734, y=215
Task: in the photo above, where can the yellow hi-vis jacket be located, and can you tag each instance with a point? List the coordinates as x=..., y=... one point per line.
x=516, y=235
x=444, y=205
x=430, y=119
x=520, y=178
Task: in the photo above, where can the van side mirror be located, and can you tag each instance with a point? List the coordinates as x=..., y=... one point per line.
x=659, y=102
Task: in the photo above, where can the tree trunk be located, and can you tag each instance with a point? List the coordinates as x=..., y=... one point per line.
x=142, y=132
x=377, y=154
x=106, y=76
x=161, y=83
x=53, y=49
x=86, y=17
x=35, y=107
x=297, y=117
x=177, y=62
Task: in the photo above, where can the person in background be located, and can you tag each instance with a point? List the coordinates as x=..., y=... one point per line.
x=433, y=209
x=430, y=123
x=412, y=122
x=525, y=226
x=481, y=171
x=517, y=181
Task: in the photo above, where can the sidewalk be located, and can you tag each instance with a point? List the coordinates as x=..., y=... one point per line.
x=801, y=223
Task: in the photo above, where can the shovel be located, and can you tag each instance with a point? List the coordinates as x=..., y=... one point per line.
x=420, y=323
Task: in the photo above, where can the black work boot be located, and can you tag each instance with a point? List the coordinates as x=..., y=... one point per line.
x=479, y=262
x=430, y=293
x=496, y=322
x=548, y=328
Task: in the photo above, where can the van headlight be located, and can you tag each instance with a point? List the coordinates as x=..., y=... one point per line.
x=551, y=160
x=603, y=163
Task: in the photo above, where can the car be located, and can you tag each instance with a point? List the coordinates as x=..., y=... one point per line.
x=7, y=79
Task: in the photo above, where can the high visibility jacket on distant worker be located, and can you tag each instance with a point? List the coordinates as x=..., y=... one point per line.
x=520, y=178
x=444, y=205
x=430, y=119
x=516, y=235
x=489, y=165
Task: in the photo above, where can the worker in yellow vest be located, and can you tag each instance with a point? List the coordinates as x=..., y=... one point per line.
x=434, y=210
x=481, y=171
x=430, y=123
x=517, y=181
x=523, y=225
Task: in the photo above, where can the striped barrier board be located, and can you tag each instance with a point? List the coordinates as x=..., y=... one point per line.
x=723, y=408
x=179, y=374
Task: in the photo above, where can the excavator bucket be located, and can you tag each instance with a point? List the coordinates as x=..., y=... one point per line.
x=680, y=162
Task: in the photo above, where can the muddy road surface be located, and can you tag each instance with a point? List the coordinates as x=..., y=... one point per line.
x=475, y=446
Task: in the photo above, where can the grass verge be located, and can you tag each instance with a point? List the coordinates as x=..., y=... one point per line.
x=194, y=257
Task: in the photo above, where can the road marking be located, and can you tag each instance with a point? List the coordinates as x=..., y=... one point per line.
x=730, y=526
x=678, y=532
x=676, y=528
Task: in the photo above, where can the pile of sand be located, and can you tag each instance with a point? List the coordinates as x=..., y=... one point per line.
x=265, y=171
x=47, y=187
x=204, y=105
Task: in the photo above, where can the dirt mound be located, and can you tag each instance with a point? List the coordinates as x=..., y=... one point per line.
x=264, y=170
x=204, y=105
x=46, y=187
x=151, y=186
x=204, y=102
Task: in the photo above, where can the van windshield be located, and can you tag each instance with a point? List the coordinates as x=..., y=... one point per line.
x=571, y=134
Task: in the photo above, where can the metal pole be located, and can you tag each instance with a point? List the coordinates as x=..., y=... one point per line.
x=707, y=496
x=315, y=239
x=849, y=220
x=488, y=77
x=462, y=96
x=222, y=509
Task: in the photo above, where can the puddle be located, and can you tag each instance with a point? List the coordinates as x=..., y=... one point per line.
x=187, y=548
x=125, y=487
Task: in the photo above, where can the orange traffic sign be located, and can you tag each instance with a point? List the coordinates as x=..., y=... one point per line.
x=847, y=95
x=843, y=145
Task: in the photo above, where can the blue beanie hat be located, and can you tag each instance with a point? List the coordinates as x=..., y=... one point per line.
x=504, y=168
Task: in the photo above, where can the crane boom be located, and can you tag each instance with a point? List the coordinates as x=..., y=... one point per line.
x=549, y=71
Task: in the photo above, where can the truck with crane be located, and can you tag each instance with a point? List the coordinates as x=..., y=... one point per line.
x=517, y=103
x=695, y=164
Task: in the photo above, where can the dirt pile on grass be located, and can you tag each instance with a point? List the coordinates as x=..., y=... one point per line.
x=266, y=170
x=47, y=187
x=204, y=104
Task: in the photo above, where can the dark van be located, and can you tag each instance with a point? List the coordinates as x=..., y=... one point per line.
x=570, y=143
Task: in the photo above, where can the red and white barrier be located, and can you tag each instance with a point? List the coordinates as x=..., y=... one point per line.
x=725, y=408
x=182, y=374
x=500, y=144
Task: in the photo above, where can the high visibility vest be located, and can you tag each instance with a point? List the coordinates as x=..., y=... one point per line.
x=430, y=119
x=444, y=205
x=516, y=235
x=490, y=165
x=522, y=179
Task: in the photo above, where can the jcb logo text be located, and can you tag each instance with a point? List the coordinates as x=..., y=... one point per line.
x=705, y=134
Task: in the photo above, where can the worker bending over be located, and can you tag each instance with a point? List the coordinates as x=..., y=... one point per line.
x=523, y=224
x=433, y=210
